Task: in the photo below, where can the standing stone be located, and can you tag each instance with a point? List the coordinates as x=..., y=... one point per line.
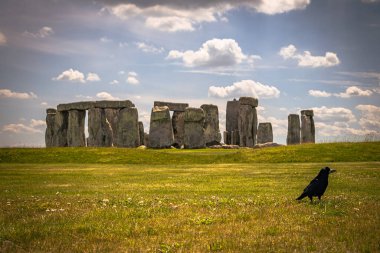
x=294, y=129
x=75, y=130
x=141, y=133
x=161, y=130
x=99, y=129
x=232, y=118
x=264, y=133
x=194, y=131
x=50, y=133
x=112, y=117
x=307, y=126
x=128, y=128
x=178, y=122
x=61, y=125
x=211, y=126
x=247, y=122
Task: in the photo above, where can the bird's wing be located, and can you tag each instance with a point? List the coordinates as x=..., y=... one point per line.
x=312, y=186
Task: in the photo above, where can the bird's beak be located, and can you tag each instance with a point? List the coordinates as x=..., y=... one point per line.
x=332, y=171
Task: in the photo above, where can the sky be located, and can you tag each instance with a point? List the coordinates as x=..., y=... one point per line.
x=290, y=54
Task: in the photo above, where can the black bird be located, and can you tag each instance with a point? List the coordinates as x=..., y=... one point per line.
x=318, y=185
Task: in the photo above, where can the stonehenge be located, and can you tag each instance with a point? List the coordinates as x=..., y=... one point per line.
x=116, y=124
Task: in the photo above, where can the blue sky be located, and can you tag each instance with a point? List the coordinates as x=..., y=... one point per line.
x=291, y=54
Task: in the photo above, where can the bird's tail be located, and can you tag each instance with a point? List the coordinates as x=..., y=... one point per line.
x=301, y=196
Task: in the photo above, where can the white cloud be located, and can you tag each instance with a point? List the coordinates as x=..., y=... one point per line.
x=338, y=130
x=3, y=39
x=44, y=104
x=244, y=88
x=114, y=82
x=6, y=93
x=92, y=77
x=146, y=48
x=71, y=75
x=83, y=97
x=44, y=32
x=370, y=117
x=35, y=126
x=307, y=59
x=333, y=114
x=354, y=91
x=37, y=123
x=106, y=96
x=318, y=93
x=105, y=40
x=188, y=16
x=132, y=78
x=213, y=53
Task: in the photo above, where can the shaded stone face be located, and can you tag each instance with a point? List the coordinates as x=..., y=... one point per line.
x=50, y=131
x=246, y=124
x=211, y=126
x=307, y=128
x=194, y=131
x=307, y=113
x=232, y=118
x=254, y=102
x=141, y=133
x=99, y=129
x=114, y=104
x=177, y=107
x=75, y=130
x=294, y=129
x=264, y=133
x=95, y=104
x=112, y=117
x=128, y=128
x=79, y=106
x=161, y=130
x=178, y=123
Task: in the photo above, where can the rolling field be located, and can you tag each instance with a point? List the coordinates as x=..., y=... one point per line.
x=130, y=200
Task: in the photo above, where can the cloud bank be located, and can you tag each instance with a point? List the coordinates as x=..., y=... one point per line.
x=6, y=93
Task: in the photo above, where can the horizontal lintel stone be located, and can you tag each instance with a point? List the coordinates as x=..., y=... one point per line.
x=179, y=107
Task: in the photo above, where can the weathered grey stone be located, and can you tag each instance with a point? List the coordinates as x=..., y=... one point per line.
x=194, y=131
x=80, y=106
x=178, y=123
x=161, y=130
x=264, y=133
x=307, y=127
x=232, y=116
x=294, y=129
x=75, y=130
x=211, y=125
x=307, y=113
x=247, y=125
x=226, y=137
x=99, y=129
x=128, y=128
x=114, y=104
x=146, y=139
x=141, y=133
x=178, y=107
x=51, y=111
x=112, y=117
x=267, y=145
x=254, y=102
x=60, y=129
x=234, y=137
x=50, y=133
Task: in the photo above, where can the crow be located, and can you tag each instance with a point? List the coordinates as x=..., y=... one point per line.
x=318, y=185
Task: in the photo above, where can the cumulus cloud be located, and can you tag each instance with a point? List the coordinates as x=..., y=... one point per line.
x=338, y=130
x=114, y=82
x=44, y=32
x=306, y=59
x=244, y=88
x=132, y=78
x=34, y=126
x=3, y=39
x=146, y=48
x=352, y=91
x=213, y=53
x=370, y=118
x=6, y=93
x=106, y=96
x=319, y=93
x=73, y=75
x=105, y=40
x=177, y=16
x=333, y=114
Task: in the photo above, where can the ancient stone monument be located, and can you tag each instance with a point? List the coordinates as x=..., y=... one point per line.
x=247, y=121
x=75, y=129
x=264, y=133
x=141, y=133
x=231, y=135
x=307, y=126
x=294, y=128
x=161, y=130
x=50, y=122
x=212, y=134
x=194, y=131
x=99, y=129
x=128, y=128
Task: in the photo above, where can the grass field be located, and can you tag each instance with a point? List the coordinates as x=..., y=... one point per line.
x=128, y=200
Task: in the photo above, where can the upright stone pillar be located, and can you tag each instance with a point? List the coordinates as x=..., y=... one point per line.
x=141, y=133
x=232, y=118
x=307, y=126
x=194, y=131
x=212, y=134
x=178, y=122
x=161, y=130
x=247, y=122
x=294, y=129
x=264, y=133
x=75, y=131
x=50, y=133
x=112, y=117
x=99, y=129
x=128, y=128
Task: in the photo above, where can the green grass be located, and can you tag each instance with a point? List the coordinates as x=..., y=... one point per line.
x=192, y=202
